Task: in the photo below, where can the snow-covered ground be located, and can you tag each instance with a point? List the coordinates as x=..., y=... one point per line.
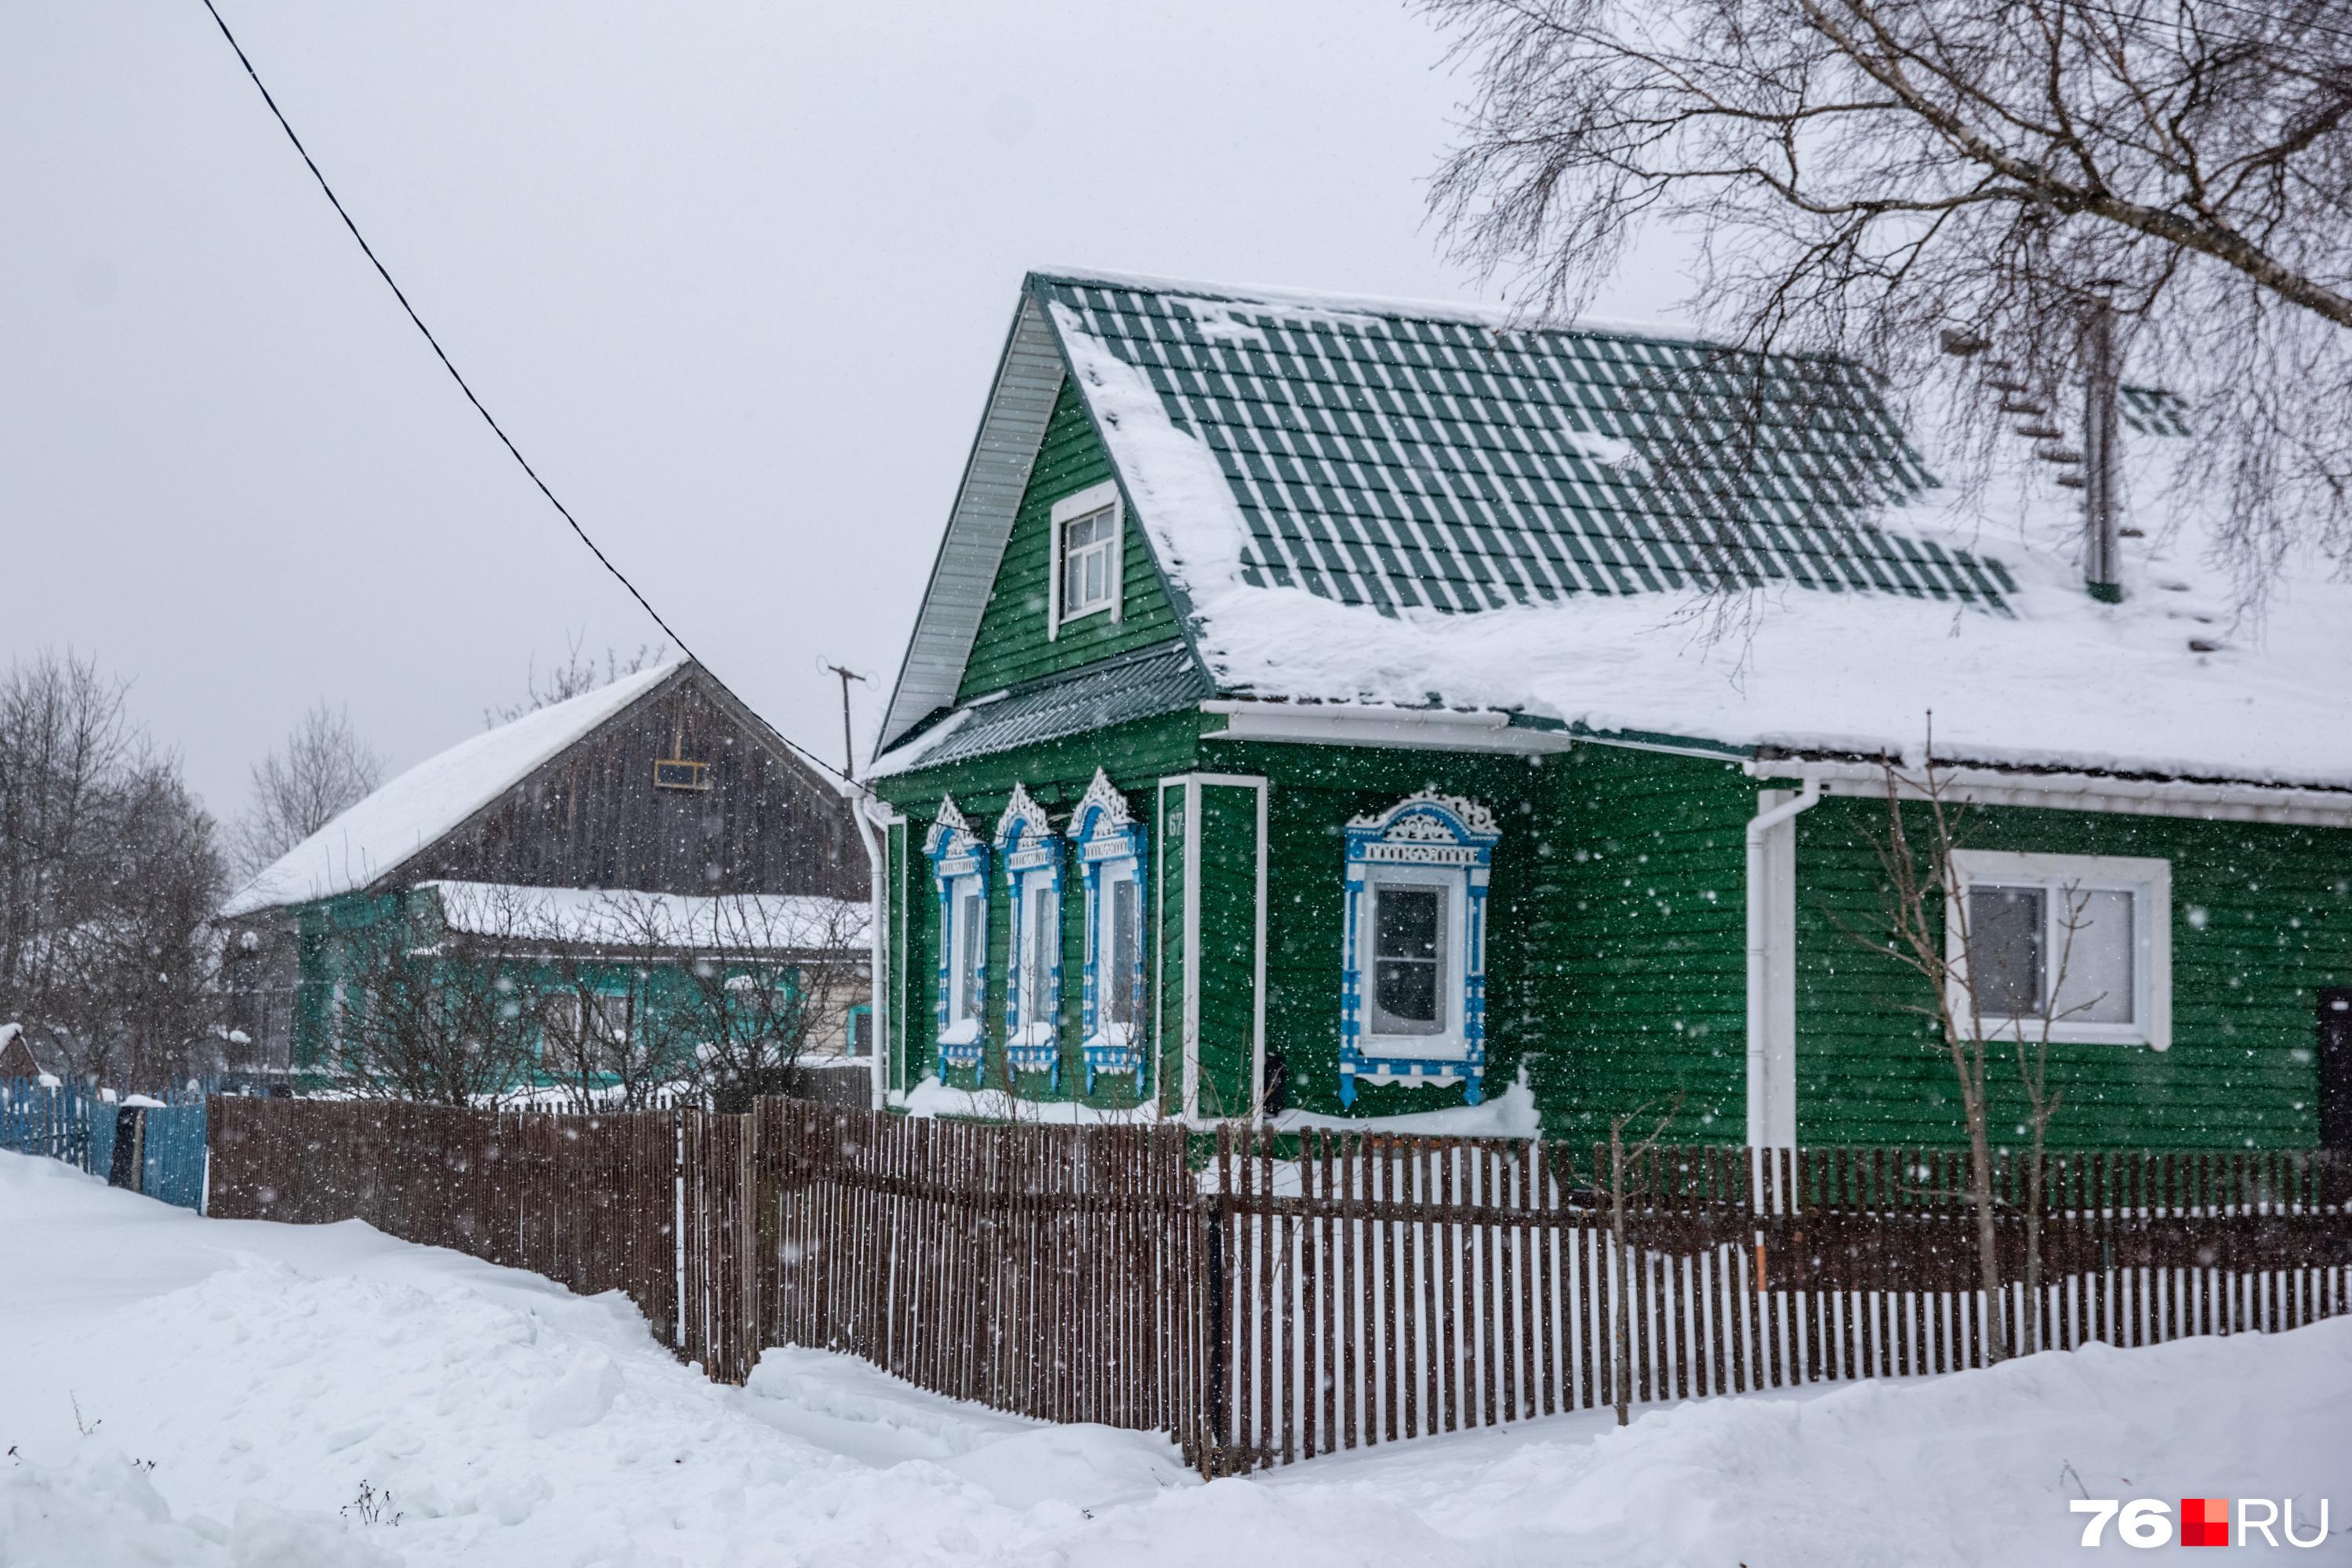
x=181, y=1391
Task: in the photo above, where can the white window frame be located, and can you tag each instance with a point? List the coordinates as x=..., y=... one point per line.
x=959, y=860
x=967, y=1001
x=1068, y=510
x=1031, y=853
x=1447, y=1038
x=2148, y=880
x=1109, y=843
x=1039, y=1010
x=1108, y=961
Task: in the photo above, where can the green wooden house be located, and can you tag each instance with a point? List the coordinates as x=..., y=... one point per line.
x=1336, y=708
x=575, y=860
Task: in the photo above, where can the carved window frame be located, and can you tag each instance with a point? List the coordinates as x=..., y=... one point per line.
x=1425, y=837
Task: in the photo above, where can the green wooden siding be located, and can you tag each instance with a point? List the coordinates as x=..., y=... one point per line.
x=1056, y=773
x=1616, y=947
x=1228, y=955
x=1315, y=791
x=2262, y=919
x=1635, y=939
x=1011, y=645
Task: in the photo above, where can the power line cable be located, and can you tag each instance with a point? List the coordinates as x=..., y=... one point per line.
x=447, y=364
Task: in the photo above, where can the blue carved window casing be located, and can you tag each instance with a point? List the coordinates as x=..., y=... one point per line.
x=1413, y=982
x=960, y=868
x=1110, y=848
x=1032, y=855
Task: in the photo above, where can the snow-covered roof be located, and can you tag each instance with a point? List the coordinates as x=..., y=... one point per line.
x=1369, y=503
x=416, y=810
x=618, y=918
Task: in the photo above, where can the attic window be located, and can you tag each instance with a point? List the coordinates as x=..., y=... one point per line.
x=1086, y=555
x=677, y=772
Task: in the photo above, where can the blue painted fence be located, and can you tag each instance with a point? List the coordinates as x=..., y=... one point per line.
x=82, y=1129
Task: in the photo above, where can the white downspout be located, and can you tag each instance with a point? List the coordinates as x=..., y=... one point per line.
x=1758, y=944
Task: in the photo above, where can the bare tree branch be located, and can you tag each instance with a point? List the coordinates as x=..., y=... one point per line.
x=1858, y=174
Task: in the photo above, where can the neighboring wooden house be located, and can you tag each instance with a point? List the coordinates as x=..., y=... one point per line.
x=1341, y=708
x=650, y=821
x=17, y=1060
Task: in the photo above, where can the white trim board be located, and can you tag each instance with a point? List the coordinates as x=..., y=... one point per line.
x=2080, y=791
x=1192, y=784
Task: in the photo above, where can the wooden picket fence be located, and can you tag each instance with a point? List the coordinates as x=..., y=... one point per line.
x=588, y=1201
x=1374, y=1289
x=1265, y=1299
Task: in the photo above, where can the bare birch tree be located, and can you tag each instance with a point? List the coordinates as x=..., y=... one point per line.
x=1929, y=928
x=323, y=770
x=1867, y=177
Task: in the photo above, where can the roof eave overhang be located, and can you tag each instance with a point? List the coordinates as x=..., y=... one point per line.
x=1029, y=377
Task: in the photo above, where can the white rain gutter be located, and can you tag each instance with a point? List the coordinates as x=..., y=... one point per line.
x=1981, y=785
x=1759, y=931
x=1347, y=724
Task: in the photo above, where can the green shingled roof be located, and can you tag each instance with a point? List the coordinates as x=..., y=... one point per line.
x=1451, y=462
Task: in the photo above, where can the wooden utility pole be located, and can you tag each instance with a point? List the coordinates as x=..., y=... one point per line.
x=848, y=748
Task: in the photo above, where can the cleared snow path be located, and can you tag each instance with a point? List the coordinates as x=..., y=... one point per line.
x=268, y=1371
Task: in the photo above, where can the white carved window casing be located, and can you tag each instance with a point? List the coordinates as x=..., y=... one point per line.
x=1110, y=848
x=2078, y=945
x=1087, y=530
x=1032, y=854
x=959, y=871
x=1413, y=956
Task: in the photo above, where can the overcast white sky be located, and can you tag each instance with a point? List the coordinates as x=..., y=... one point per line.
x=733, y=274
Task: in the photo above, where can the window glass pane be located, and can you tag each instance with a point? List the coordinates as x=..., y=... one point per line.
x=1408, y=963
x=1407, y=921
x=1086, y=544
x=1044, y=930
x=2006, y=931
x=971, y=926
x=1125, y=933
x=2098, y=984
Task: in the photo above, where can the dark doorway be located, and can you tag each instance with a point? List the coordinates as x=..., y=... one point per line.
x=2335, y=1068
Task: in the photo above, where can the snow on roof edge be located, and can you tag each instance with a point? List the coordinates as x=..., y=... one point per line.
x=408, y=813
x=1502, y=317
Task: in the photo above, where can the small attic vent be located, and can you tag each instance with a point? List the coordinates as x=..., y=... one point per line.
x=677, y=772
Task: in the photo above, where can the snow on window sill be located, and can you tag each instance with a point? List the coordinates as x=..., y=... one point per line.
x=1417, y=1048
x=1031, y=1036
x=965, y=1032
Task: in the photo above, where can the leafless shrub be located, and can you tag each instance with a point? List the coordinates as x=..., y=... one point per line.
x=438, y=1017
x=1864, y=176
